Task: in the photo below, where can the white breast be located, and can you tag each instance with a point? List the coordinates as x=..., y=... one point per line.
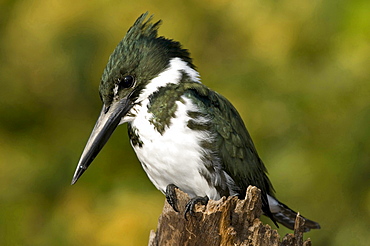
x=174, y=157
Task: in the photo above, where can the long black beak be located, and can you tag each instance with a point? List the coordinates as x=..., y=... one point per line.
x=105, y=125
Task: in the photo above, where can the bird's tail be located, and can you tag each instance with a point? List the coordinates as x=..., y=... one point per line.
x=286, y=216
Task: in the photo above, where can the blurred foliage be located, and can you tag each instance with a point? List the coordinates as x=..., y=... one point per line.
x=298, y=72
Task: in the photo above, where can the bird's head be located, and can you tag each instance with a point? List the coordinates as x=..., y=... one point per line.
x=139, y=58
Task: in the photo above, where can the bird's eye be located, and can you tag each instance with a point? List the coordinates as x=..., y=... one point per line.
x=126, y=82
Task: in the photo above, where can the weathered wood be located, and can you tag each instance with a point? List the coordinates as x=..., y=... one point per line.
x=228, y=221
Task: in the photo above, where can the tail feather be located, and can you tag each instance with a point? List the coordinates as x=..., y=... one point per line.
x=286, y=216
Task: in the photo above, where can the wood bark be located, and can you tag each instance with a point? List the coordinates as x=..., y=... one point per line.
x=228, y=221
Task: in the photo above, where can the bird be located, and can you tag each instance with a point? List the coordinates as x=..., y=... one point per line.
x=184, y=134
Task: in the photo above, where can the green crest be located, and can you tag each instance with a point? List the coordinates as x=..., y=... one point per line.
x=141, y=54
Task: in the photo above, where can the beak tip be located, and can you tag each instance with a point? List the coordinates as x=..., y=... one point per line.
x=79, y=171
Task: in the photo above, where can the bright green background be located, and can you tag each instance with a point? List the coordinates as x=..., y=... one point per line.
x=297, y=71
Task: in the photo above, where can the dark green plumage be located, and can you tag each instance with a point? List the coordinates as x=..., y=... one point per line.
x=163, y=103
x=233, y=143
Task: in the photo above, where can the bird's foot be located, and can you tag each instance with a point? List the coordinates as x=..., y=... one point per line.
x=189, y=208
x=171, y=196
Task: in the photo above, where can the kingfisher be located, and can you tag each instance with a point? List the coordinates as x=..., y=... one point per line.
x=184, y=134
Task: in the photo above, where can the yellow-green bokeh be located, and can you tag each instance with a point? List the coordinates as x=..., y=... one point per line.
x=297, y=71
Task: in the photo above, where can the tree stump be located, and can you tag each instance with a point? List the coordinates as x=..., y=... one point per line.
x=228, y=221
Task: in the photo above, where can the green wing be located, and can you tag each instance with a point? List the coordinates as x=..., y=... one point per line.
x=233, y=143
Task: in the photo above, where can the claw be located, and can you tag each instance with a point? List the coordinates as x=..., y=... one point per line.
x=189, y=208
x=171, y=196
